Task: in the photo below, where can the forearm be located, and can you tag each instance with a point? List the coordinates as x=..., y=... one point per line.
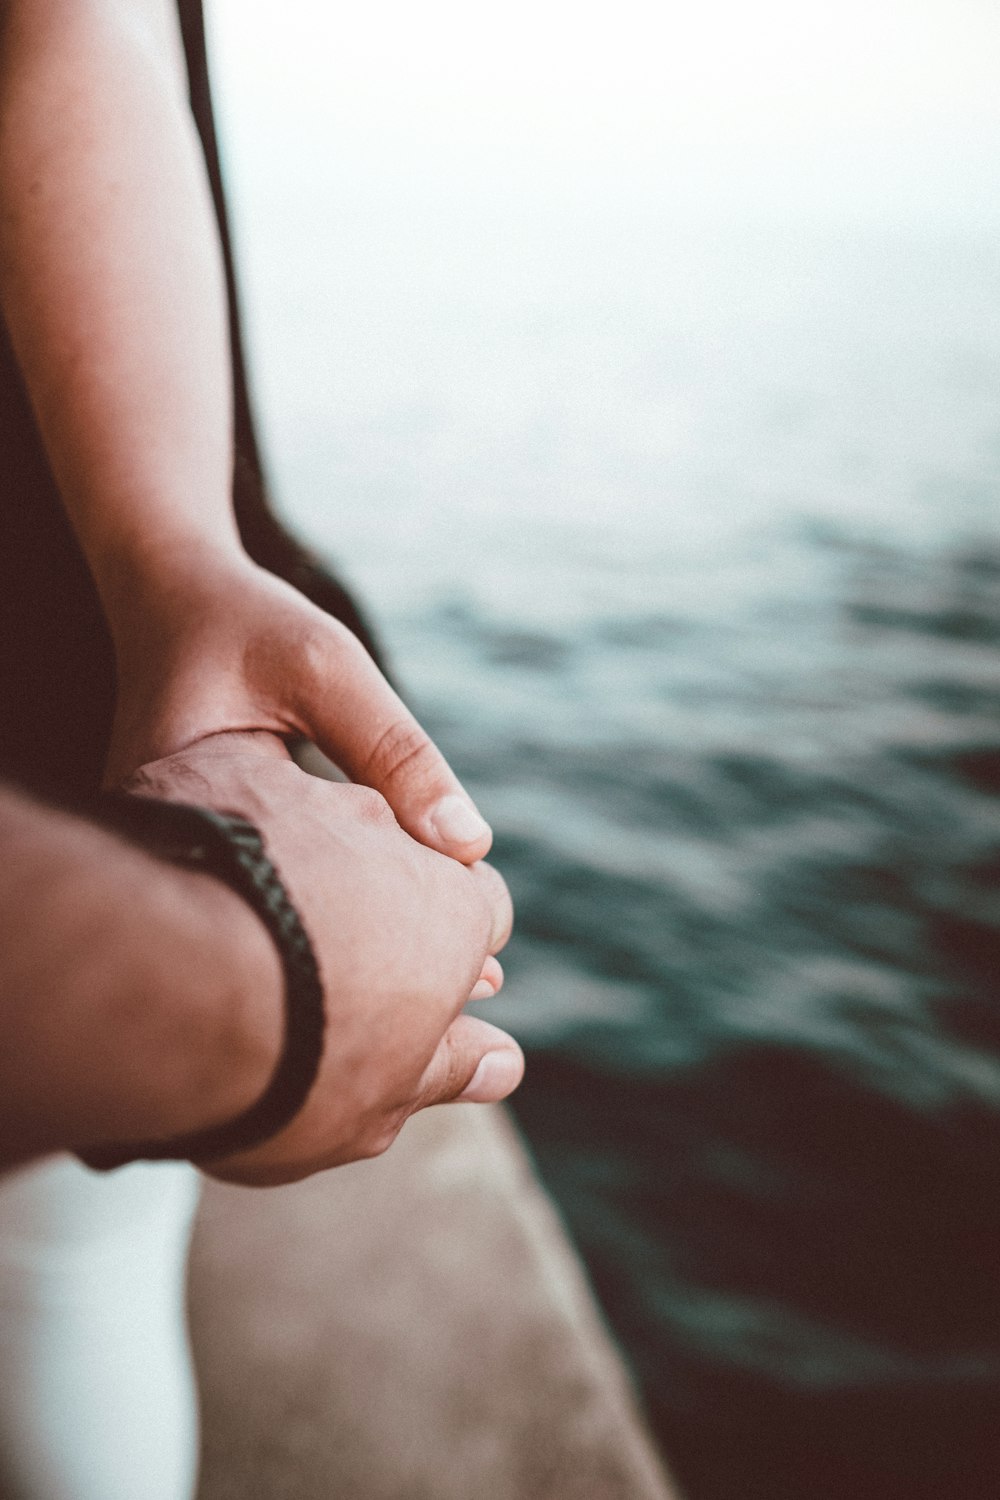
x=137, y=1001
x=111, y=279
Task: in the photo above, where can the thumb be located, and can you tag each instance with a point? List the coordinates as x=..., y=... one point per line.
x=474, y=1062
x=356, y=718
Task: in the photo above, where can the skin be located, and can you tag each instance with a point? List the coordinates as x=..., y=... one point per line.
x=138, y=1000
x=403, y=933
x=124, y=983
x=111, y=285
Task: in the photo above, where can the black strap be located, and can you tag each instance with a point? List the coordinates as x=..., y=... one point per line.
x=226, y=845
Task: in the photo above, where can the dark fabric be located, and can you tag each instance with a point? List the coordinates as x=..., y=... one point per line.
x=56, y=662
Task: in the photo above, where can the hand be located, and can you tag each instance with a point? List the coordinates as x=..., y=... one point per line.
x=214, y=644
x=402, y=936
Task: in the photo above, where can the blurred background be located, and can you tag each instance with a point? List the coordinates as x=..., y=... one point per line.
x=640, y=366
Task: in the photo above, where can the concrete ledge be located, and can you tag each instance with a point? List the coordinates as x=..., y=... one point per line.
x=411, y=1328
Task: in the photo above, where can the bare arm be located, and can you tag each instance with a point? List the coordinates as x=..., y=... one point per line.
x=139, y=1001
x=111, y=284
x=111, y=278
x=136, y=1001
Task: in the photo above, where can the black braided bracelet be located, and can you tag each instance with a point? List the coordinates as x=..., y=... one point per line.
x=226, y=845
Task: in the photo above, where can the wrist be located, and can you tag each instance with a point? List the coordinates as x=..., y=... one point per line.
x=205, y=1046
x=156, y=1008
x=235, y=1033
x=143, y=576
x=228, y=847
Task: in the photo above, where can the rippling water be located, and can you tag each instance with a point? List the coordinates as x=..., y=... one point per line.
x=756, y=964
x=777, y=1133
x=685, y=545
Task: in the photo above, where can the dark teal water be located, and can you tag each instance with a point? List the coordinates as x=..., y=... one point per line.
x=776, y=1135
x=782, y=1162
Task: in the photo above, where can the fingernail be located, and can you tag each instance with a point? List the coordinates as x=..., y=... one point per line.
x=482, y=990
x=498, y=1075
x=456, y=821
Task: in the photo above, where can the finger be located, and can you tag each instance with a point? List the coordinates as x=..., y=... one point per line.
x=489, y=983
x=493, y=889
x=475, y=1062
x=359, y=722
x=219, y=742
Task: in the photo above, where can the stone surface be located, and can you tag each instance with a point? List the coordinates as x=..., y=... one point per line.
x=411, y=1328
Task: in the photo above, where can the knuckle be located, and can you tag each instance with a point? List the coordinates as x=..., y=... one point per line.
x=314, y=651
x=459, y=1074
x=370, y=806
x=321, y=646
x=399, y=749
x=451, y=1078
x=378, y=1140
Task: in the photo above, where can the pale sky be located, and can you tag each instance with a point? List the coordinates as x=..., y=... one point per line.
x=397, y=170
x=568, y=72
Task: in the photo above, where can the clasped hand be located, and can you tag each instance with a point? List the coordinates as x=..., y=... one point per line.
x=220, y=667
